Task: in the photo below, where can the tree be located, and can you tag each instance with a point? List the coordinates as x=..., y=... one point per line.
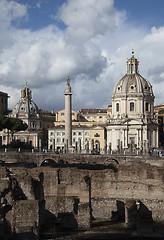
x=12, y=124
x=16, y=124
x=3, y=122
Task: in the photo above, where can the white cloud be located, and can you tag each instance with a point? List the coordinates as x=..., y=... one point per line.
x=86, y=19
x=92, y=50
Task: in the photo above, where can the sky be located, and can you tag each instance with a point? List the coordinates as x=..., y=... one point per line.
x=42, y=42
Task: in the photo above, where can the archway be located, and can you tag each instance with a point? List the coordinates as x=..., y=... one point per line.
x=49, y=162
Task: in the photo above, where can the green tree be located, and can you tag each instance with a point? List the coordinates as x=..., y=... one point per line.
x=3, y=122
x=12, y=124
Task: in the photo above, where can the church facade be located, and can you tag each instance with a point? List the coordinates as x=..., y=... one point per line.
x=132, y=123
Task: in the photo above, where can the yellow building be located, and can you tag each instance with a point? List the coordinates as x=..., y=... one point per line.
x=93, y=115
x=60, y=116
x=83, y=137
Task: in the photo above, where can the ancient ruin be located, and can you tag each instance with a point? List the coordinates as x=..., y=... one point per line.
x=78, y=191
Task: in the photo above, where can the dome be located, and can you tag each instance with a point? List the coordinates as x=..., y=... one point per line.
x=132, y=96
x=133, y=83
x=25, y=105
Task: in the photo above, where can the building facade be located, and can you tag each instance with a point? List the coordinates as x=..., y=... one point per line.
x=3, y=103
x=85, y=139
x=132, y=124
x=38, y=122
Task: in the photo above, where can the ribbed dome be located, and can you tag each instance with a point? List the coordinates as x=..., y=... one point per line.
x=25, y=105
x=133, y=82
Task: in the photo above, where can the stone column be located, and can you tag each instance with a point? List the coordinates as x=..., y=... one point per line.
x=53, y=145
x=68, y=114
x=157, y=138
x=105, y=146
x=130, y=213
x=92, y=145
x=79, y=145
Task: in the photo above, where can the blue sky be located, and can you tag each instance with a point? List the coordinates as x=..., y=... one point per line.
x=143, y=12
x=41, y=14
x=44, y=41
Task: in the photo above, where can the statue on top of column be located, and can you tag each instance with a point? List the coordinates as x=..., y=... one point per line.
x=68, y=81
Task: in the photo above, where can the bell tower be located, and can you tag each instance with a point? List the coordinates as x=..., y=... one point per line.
x=26, y=93
x=132, y=65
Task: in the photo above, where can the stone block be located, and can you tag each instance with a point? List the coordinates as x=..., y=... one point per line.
x=25, y=219
x=84, y=215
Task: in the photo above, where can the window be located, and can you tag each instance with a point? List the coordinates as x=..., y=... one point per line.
x=129, y=67
x=100, y=116
x=51, y=133
x=132, y=106
x=117, y=107
x=58, y=133
x=147, y=107
x=132, y=67
x=80, y=133
x=74, y=133
x=58, y=140
x=97, y=135
x=63, y=133
x=73, y=114
x=86, y=133
x=63, y=140
x=62, y=114
x=74, y=140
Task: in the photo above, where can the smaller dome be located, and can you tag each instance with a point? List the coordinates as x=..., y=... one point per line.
x=25, y=105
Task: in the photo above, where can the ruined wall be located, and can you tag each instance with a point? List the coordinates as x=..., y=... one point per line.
x=37, y=158
x=21, y=203
x=105, y=191
x=75, y=196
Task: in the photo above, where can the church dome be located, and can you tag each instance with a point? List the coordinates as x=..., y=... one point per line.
x=25, y=105
x=132, y=82
x=133, y=95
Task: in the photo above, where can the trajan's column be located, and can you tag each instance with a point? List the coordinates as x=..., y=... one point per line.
x=68, y=115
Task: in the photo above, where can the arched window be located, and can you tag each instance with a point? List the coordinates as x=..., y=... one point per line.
x=117, y=107
x=132, y=106
x=132, y=68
